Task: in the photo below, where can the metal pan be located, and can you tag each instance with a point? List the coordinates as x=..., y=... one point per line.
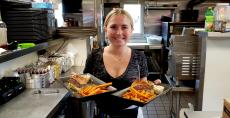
x=118, y=94
x=93, y=80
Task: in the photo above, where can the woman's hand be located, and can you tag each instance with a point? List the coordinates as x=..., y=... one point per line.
x=157, y=81
x=144, y=78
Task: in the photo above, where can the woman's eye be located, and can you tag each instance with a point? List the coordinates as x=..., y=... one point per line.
x=119, y=27
x=125, y=27
x=113, y=27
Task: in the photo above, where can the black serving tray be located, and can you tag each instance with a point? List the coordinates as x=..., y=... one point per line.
x=93, y=80
x=118, y=94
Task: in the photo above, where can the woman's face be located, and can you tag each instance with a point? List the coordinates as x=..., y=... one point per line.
x=118, y=30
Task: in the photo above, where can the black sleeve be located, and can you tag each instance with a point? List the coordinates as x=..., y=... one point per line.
x=89, y=65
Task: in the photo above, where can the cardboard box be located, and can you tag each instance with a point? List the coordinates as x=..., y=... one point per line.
x=226, y=110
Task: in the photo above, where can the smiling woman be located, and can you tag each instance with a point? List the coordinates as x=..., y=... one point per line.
x=117, y=63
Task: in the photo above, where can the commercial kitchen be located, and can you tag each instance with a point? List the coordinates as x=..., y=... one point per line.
x=43, y=42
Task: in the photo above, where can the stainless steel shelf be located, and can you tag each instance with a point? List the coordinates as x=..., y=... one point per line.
x=15, y=2
x=76, y=31
x=159, y=8
x=144, y=46
x=18, y=53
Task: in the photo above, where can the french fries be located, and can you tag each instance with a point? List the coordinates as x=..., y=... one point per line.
x=94, y=89
x=143, y=94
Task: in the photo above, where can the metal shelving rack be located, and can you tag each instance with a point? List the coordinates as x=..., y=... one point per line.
x=15, y=3
x=9, y=55
x=155, y=61
x=156, y=66
x=18, y=53
x=75, y=32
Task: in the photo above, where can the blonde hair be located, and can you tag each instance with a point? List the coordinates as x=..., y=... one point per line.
x=118, y=11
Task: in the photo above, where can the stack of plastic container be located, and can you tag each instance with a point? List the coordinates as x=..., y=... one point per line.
x=222, y=17
x=29, y=25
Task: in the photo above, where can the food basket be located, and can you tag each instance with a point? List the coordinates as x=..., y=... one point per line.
x=119, y=94
x=92, y=80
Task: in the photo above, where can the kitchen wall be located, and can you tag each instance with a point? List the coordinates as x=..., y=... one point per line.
x=180, y=3
x=152, y=17
x=79, y=48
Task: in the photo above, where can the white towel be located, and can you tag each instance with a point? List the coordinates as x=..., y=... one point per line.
x=140, y=113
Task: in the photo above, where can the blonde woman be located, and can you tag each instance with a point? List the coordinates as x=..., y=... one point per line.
x=117, y=63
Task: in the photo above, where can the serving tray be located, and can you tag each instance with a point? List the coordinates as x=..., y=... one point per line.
x=119, y=94
x=93, y=80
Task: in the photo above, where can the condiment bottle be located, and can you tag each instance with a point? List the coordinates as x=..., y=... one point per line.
x=209, y=20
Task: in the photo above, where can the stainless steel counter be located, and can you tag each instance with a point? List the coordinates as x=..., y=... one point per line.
x=30, y=105
x=144, y=46
x=203, y=114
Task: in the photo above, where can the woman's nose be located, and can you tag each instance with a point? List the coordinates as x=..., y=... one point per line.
x=119, y=31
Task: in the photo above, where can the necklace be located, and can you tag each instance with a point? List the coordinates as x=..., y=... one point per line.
x=117, y=58
x=121, y=56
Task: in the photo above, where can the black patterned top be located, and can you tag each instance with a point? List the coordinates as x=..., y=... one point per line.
x=95, y=66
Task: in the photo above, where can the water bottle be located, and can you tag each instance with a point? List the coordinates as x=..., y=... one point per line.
x=3, y=32
x=209, y=20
